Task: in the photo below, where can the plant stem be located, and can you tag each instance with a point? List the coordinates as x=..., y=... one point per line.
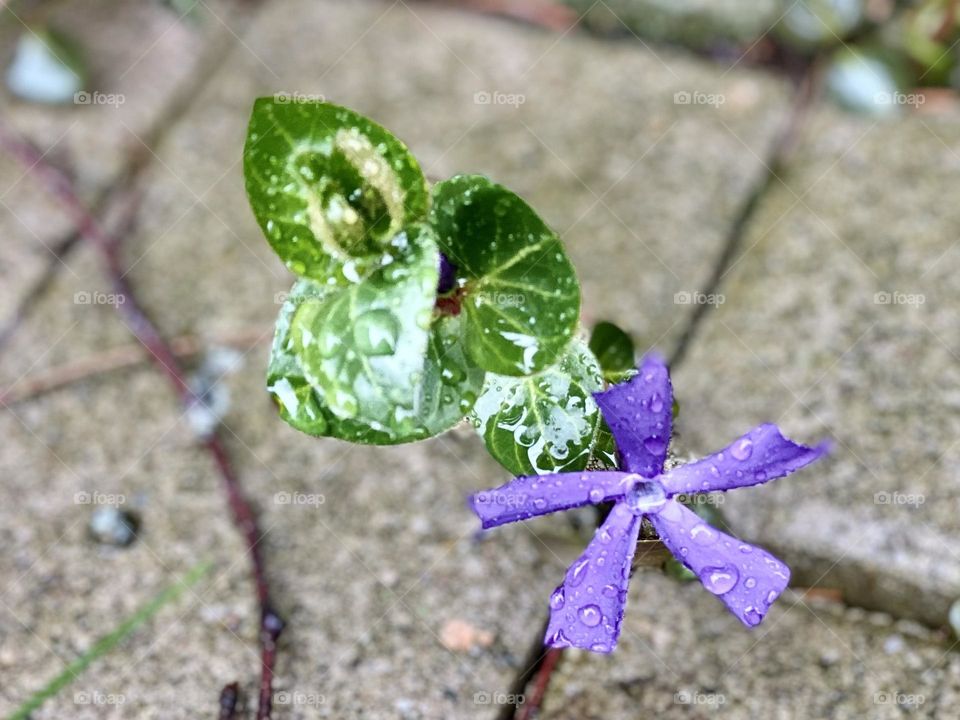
x=61, y=187
x=551, y=659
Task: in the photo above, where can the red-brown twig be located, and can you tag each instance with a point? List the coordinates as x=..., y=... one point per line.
x=531, y=706
x=549, y=14
x=61, y=187
x=120, y=357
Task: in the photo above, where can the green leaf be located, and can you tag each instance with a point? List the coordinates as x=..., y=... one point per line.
x=329, y=188
x=603, y=454
x=299, y=405
x=451, y=382
x=543, y=423
x=369, y=362
x=519, y=293
x=613, y=348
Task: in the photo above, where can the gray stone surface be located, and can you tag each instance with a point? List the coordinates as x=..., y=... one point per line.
x=698, y=24
x=682, y=655
x=370, y=579
x=139, y=57
x=823, y=332
x=367, y=577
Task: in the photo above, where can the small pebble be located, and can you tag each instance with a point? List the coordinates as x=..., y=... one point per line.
x=893, y=644
x=460, y=636
x=113, y=526
x=829, y=658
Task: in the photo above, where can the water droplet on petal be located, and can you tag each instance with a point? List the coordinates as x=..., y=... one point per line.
x=645, y=496
x=656, y=403
x=655, y=445
x=557, y=599
x=578, y=572
x=703, y=534
x=750, y=583
x=771, y=596
x=720, y=580
x=595, y=495
x=742, y=449
x=590, y=615
x=752, y=616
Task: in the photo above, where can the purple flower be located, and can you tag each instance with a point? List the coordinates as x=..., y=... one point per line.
x=587, y=609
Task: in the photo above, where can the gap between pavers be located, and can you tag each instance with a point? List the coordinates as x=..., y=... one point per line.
x=839, y=322
x=141, y=59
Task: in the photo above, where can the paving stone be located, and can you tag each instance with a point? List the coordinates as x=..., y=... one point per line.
x=698, y=24
x=682, y=655
x=139, y=56
x=372, y=552
x=840, y=321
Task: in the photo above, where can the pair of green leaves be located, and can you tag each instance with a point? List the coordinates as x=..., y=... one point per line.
x=363, y=351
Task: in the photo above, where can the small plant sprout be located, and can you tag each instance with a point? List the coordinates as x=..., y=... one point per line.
x=416, y=307
x=586, y=610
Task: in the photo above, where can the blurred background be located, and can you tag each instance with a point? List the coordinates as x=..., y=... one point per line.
x=758, y=189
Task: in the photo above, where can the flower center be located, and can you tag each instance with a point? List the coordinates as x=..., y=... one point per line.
x=645, y=496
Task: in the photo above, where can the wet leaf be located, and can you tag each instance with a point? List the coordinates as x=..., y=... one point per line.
x=299, y=405
x=369, y=362
x=545, y=422
x=329, y=188
x=613, y=349
x=520, y=295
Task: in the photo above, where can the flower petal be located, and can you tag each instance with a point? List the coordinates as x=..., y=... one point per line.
x=760, y=455
x=747, y=578
x=587, y=609
x=640, y=415
x=530, y=495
